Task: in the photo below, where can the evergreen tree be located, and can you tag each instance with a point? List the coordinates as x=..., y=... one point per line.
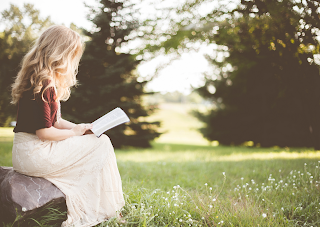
x=107, y=77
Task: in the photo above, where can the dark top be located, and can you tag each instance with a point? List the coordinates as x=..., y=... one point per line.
x=33, y=113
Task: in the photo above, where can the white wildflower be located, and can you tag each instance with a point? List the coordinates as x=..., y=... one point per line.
x=264, y=215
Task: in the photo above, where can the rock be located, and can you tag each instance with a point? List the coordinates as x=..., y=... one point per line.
x=24, y=196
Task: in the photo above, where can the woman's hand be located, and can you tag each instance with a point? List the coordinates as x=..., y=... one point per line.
x=80, y=129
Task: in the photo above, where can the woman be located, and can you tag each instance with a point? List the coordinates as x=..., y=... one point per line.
x=82, y=166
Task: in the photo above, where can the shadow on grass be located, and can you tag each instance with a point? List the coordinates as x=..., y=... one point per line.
x=49, y=216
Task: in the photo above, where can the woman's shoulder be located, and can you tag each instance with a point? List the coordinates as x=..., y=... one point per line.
x=47, y=93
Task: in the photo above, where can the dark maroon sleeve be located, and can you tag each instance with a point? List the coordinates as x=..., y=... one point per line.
x=47, y=108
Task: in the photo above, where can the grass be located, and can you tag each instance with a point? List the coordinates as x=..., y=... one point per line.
x=196, y=184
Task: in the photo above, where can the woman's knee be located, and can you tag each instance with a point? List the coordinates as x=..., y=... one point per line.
x=105, y=138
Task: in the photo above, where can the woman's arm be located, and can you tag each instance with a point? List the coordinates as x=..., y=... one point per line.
x=56, y=134
x=64, y=124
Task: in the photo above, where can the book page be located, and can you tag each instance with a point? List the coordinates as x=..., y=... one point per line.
x=108, y=121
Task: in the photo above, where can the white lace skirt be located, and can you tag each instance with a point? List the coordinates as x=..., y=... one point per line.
x=84, y=168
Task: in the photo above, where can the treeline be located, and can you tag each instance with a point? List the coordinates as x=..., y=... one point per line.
x=265, y=82
x=176, y=97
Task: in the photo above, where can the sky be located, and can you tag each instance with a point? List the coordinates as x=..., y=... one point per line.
x=180, y=75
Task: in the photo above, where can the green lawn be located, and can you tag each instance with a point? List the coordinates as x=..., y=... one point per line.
x=181, y=184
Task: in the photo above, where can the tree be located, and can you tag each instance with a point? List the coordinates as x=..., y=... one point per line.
x=21, y=27
x=266, y=85
x=107, y=77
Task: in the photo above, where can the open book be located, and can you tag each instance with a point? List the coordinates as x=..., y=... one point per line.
x=110, y=120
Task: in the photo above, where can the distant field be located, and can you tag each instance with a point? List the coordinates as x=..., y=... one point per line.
x=178, y=125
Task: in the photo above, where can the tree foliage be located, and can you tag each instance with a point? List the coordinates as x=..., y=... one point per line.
x=20, y=28
x=107, y=77
x=268, y=86
x=266, y=80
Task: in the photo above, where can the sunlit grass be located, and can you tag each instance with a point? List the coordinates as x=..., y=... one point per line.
x=6, y=138
x=6, y=134
x=186, y=153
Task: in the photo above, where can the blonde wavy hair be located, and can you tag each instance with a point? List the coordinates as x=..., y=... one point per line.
x=54, y=57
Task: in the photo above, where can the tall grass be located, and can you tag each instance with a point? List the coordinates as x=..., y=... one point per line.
x=289, y=200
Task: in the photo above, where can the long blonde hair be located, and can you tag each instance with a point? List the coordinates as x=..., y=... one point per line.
x=54, y=57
